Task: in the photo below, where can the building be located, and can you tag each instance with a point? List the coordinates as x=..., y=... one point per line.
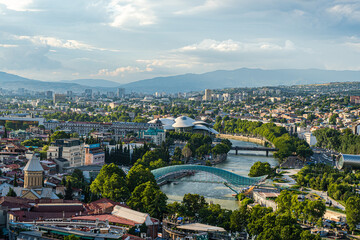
x=69, y=149
x=94, y=154
x=125, y=216
x=59, y=98
x=347, y=160
x=33, y=183
x=355, y=99
x=208, y=95
x=26, y=119
x=33, y=174
x=156, y=135
x=84, y=128
x=356, y=128
x=120, y=92
x=310, y=138
x=49, y=94
x=88, y=93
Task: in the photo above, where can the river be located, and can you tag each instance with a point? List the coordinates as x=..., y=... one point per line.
x=214, y=192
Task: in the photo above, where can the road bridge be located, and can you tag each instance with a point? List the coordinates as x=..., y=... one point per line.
x=230, y=178
x=265, y=149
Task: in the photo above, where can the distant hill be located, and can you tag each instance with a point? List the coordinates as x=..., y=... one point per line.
x=94, y=82
x=13, y=82
x=243, y=77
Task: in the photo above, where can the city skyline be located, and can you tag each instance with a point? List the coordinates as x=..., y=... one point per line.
x=124, y=41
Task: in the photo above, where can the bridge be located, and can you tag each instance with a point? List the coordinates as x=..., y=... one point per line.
x=230, y=178
x=266, y=149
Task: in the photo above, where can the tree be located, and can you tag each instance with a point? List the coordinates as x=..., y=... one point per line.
x=11, y=193
x=203, y=150
x=103, y=182
x=352, y=212
x=260, y=169
x=220, y=148
x=147, y=197
x=177, y=154
x=138, y=175
x=193, y=203
x=71, y=237
x=284, y=202
x=332, y=119
x=239, y=219
x=68, y=191
x=115, y=189
x=306, y=235
x=186, y=152
x=15, y=181
x=316, y=210
x=59, y=135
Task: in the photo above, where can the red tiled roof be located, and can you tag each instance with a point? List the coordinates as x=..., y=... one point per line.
x=131, y=237
x=30, y=216
x=15, y=202
x=13, y=166
x=104, y=217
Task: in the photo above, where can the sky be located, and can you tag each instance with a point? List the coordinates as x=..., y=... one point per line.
x=128, y=40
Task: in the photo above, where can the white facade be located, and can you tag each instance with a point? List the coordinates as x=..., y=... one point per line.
x=310, y=138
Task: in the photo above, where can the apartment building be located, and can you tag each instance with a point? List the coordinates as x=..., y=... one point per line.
x=69, y=149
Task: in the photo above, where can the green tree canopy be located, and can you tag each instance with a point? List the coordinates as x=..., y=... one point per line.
x=260, y=169
x=138, y=175
x=147, y=197
x=59, y=135
x=105, y=182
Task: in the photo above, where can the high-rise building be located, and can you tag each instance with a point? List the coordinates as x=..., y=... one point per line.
x=59, y=98
x=207, y=96
x=49, y=94
x=88, y=93
x=120, y=92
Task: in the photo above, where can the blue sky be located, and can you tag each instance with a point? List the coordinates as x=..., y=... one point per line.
x=127, y=40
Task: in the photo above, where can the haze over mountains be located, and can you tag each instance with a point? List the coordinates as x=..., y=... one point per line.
x=242, y=77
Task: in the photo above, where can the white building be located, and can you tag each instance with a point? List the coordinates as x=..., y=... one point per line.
x=309, y=138
x=69, y=149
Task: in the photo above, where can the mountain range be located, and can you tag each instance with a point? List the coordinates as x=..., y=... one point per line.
x=243, y=77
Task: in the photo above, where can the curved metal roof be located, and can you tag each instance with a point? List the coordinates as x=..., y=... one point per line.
x=348, y=160
x=183, y=122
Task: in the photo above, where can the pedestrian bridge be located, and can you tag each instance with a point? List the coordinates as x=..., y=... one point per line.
x=230, y=178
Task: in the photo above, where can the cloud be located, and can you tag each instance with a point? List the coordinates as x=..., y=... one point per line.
x=27, y=57
x=235, y=46
x=171, y=61
x=210, y=44
x=17, y=5
x=122, y=70
x=59, y=43
x=350, y=11
x=208, y=5
x=8, y=45
x=131, y=13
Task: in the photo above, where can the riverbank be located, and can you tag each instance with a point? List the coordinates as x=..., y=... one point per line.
x=242, y=138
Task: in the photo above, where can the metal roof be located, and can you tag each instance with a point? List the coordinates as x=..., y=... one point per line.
x=33, y=165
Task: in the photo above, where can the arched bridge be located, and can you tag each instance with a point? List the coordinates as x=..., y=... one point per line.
x=230, y=178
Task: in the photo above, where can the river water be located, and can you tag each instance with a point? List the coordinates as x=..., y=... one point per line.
x=217, y=192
